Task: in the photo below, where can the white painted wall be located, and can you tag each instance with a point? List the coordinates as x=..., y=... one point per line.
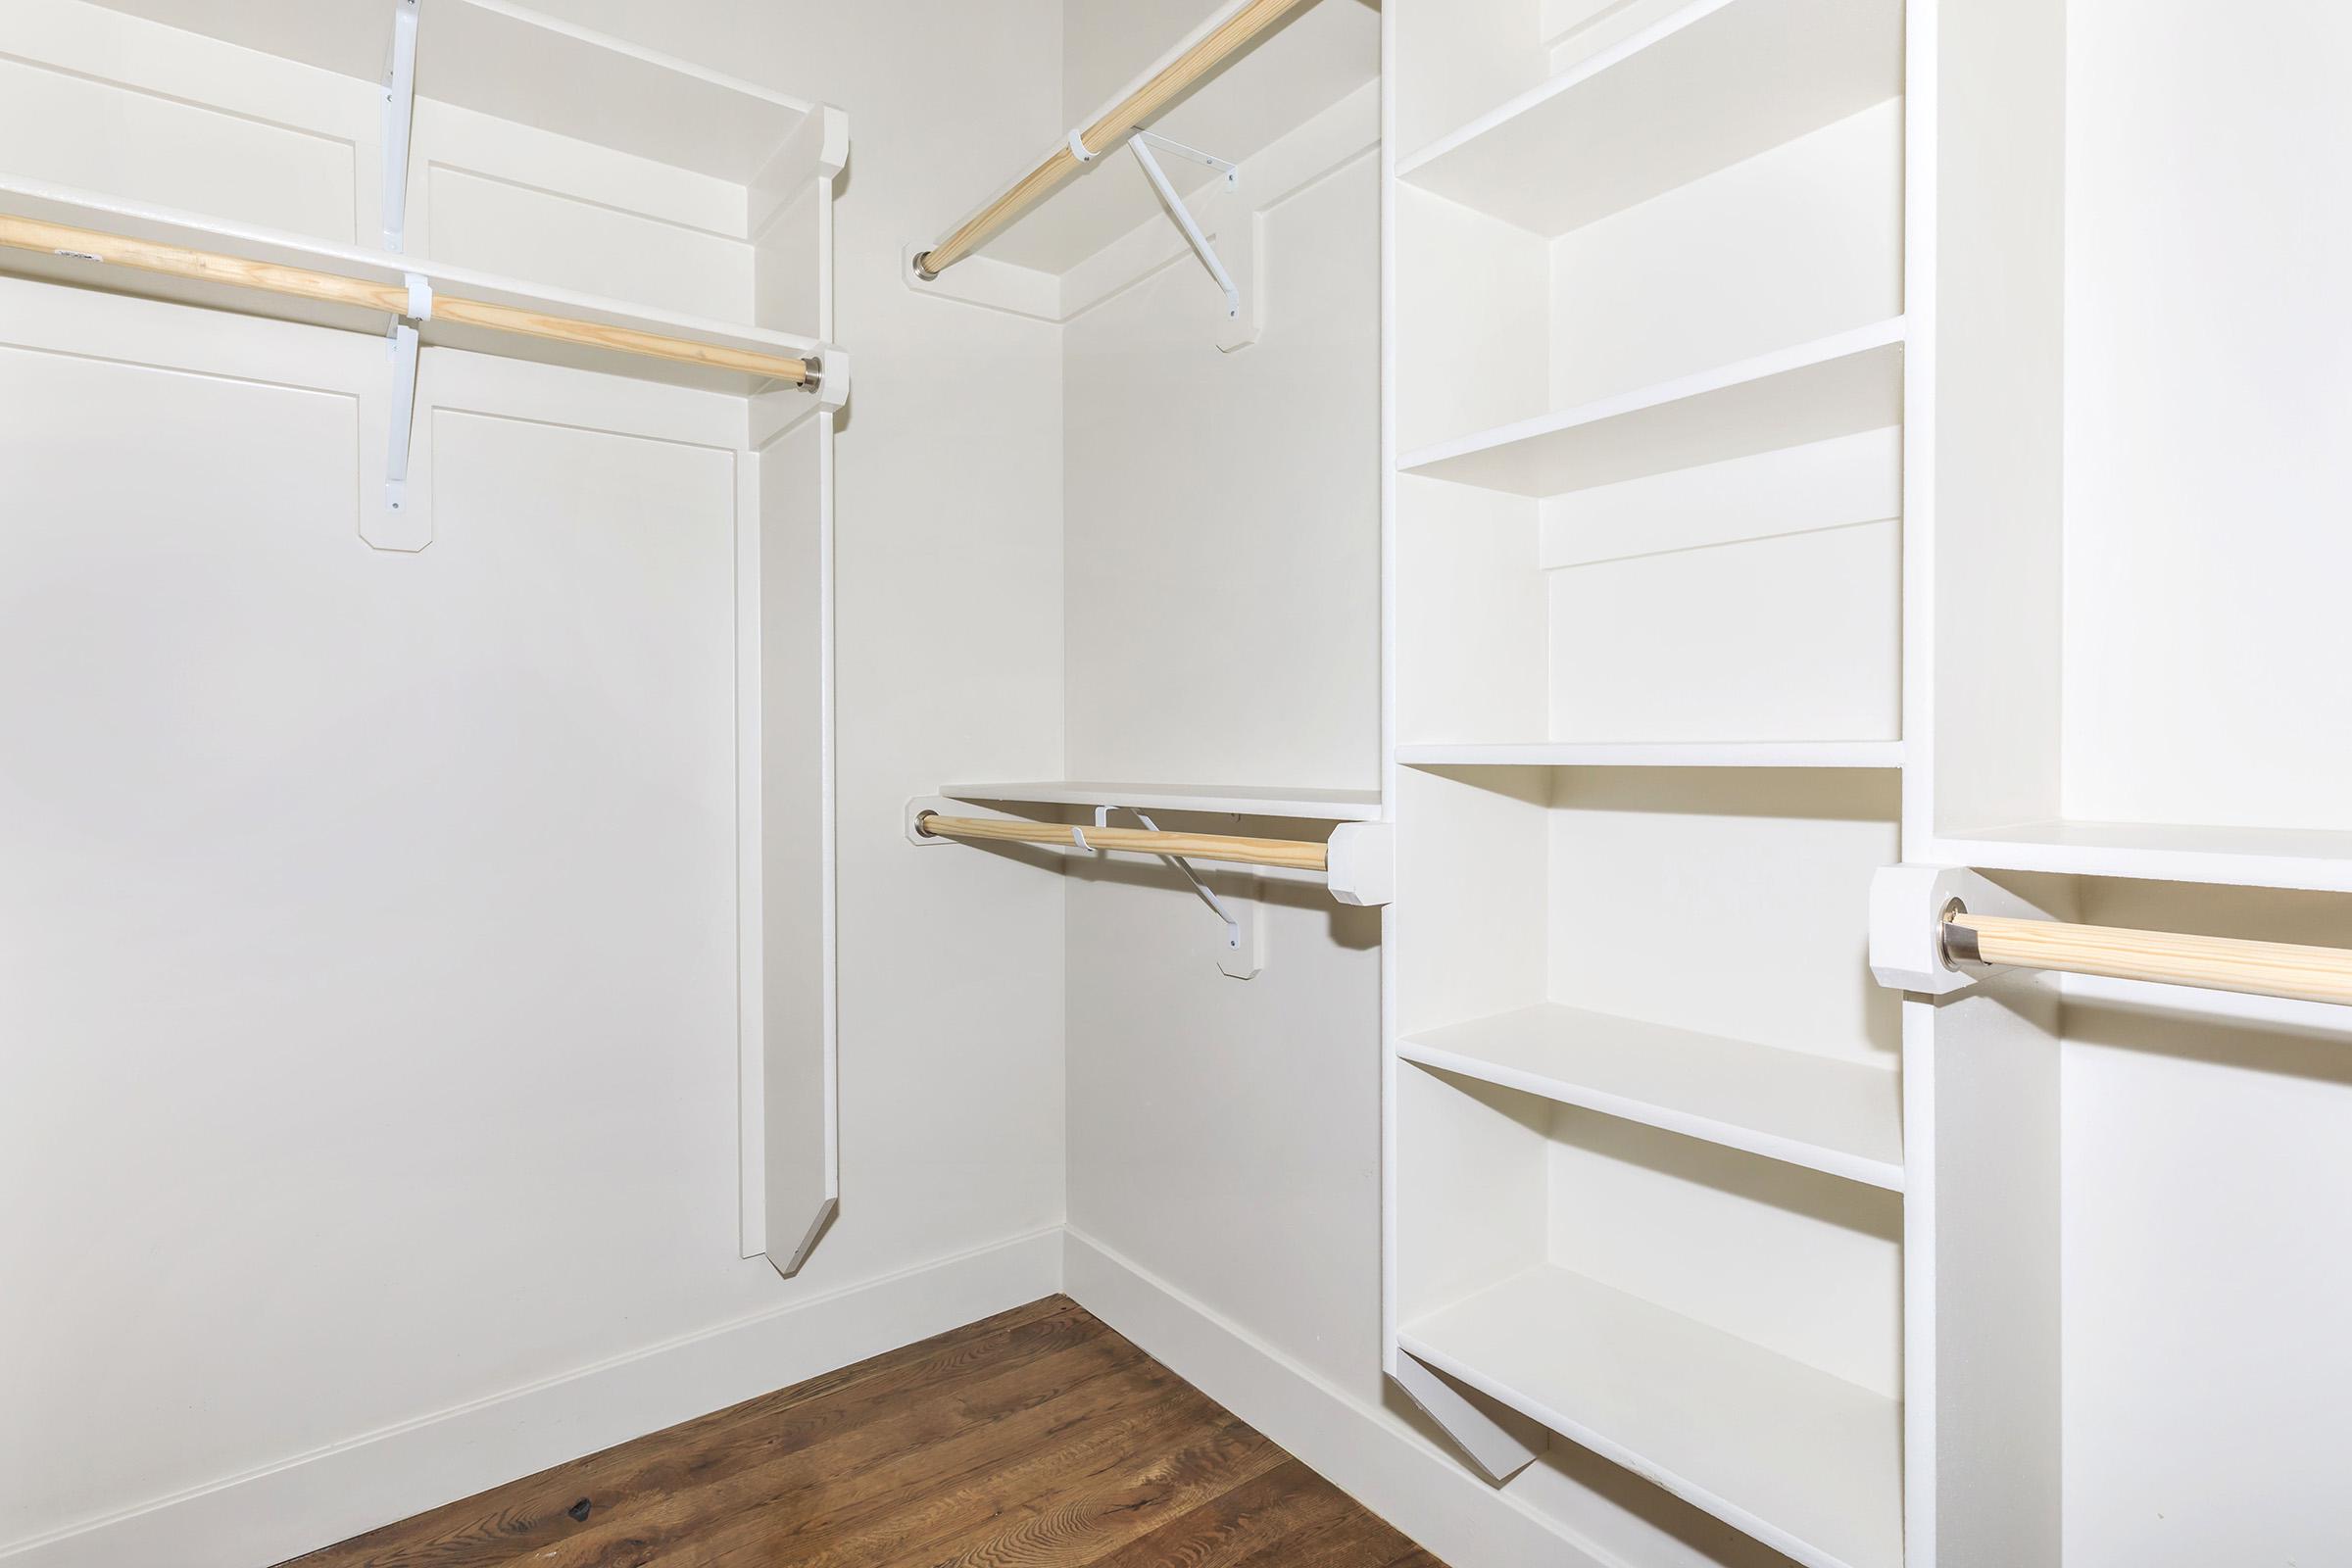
x=368, y=1034
x=2207, y=1149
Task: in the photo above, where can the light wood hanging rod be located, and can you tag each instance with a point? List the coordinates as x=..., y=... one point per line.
x=333, y=288
x=2215, y=963
x=1155, y=94
x=1297, y=855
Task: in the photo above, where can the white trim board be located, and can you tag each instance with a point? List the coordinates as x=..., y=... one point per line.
x=1408, y=1480
x=332, y=1493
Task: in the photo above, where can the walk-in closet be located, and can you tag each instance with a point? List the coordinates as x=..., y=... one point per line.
x=1105, y=783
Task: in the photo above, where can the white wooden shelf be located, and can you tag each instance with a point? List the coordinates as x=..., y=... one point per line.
x=1240, y=799
x=81, y=208
x=1657, y=754
x=580, y=83
x=1839, y=385
x=2313, y=858
x=1711, y=85
x=1824, y=1113
x=1806, y=1462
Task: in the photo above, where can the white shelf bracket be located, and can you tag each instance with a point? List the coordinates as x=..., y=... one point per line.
x=400, y=111
x=1142, y=144
x=1242, y=952
x=398, y=528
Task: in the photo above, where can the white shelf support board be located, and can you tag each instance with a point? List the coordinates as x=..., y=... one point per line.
x=1656, y=754
x=1837, y=385
x=1827, y=1113
x=1714, y=82
x=1235, y=800
x=1807, y=1463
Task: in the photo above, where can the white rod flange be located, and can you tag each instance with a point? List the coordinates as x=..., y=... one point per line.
x=1078, y=146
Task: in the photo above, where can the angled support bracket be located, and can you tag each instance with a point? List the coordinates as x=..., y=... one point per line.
x=400, y=110
x=396, y=528
x=1243, y=954
x=1142, y=144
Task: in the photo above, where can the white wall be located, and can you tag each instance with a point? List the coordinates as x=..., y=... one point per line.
x=2207, y=1147
x=366, y=1043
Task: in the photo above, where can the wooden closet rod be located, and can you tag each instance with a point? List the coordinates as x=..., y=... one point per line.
x=333, y=288
x=2216, y=963
x=1297, y=855
x=1155, y=94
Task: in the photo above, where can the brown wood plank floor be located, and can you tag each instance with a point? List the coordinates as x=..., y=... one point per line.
x=1034, y=1438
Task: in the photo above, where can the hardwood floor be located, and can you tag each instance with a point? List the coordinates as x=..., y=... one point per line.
x=1034, y=1438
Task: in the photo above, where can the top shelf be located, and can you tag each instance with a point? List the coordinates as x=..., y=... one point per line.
x=579, y=84
x=1238, y=800
x=1718, y=82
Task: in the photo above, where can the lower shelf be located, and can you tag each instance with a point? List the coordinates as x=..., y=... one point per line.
x=1806, y=1462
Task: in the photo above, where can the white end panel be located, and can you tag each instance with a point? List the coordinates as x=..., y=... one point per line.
x=800, y=1164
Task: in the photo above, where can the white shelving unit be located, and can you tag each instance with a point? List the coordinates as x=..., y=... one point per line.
x=508, y=159
x=1649, y=1181
x=1828, y=433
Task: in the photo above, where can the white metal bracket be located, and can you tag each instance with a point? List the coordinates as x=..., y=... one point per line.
x=1142, y=144
x=398, y=530
x=1243, y=952
x=400, y=110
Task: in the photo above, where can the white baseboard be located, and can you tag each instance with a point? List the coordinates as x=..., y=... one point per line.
x=267, y=1516
x=1422, y=1490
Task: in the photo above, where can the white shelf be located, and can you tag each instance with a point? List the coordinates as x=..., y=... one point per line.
x=1807, y=1463
x=1711, y=85
x=89, y=209
x=1322, y=806
x=1657, y=754
x=581, y=85
x=1839, y=385
x=2313, y=859
x=1824, y=1113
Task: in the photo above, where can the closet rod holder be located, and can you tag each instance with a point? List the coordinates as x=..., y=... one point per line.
x=394, y=299
x=2167, y=958
x=1147, y=98
x=1938, y=930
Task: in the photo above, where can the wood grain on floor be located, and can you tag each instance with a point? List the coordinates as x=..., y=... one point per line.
x=1034, y=1438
